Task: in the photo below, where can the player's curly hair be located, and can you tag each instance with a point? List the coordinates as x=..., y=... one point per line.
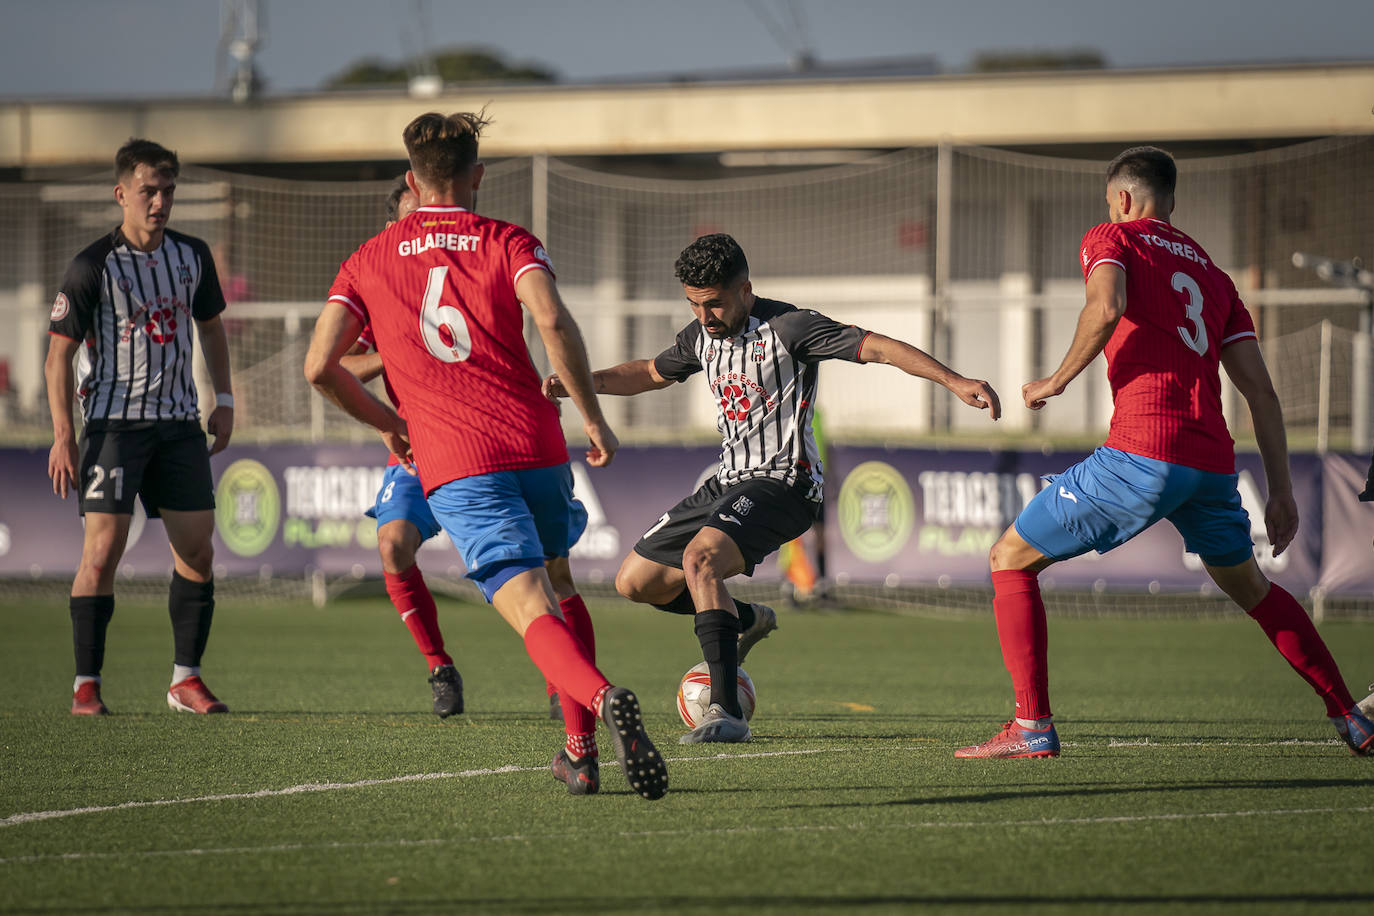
x=443, y=147
x=145, y=152
x=1146, y=167
x=712, y=260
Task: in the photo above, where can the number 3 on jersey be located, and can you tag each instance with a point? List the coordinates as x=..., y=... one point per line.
x=443, y=327
x=1197, y=338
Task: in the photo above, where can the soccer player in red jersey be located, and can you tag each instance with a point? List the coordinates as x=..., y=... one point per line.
x=1167, y=318
x=404, y=522
x=442, y=291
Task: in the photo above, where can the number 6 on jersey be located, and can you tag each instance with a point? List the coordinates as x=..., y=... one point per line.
x=443, y=327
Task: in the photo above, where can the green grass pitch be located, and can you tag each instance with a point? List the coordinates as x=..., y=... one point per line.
x=1199, y=773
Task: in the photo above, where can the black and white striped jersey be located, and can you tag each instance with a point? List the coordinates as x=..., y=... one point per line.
x=764, y=381
x=133, y=311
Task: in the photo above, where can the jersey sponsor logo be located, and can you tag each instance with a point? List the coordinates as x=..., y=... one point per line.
x=60, y=307
x=543, y=255
x=743, y=505
x=184, y=274
x=756, y=351
x=738, y=393
x=451, y=241
x=1180, y=249
x=125, y=284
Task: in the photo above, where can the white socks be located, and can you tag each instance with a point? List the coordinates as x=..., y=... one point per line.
x=1038, y=725
x=84, y=679
x=182, y=672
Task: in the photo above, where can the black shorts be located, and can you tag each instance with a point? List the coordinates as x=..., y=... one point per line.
x=166, y=463
x=759, y=515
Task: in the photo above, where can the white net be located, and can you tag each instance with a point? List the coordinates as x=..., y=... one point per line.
x=969, y=253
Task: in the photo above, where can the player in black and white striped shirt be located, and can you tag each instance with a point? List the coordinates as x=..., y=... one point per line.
x=127, y=305
x=760, y=360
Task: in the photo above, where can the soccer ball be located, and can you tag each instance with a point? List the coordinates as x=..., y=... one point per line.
x=694, y=694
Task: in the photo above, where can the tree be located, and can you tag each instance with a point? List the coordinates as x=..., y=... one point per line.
x=452, y=65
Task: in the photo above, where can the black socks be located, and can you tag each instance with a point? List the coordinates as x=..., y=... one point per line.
x=718, y=632
x=90, y=617
x=191, y=606
x=683, y=604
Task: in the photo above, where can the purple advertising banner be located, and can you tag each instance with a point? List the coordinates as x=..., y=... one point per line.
x=920, y=517
x=898, y=516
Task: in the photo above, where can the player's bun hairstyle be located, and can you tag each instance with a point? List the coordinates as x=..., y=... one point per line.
x=712, y=260
x=443, y=147
x=393, y=200
x=1145, y=166
x=145, y=152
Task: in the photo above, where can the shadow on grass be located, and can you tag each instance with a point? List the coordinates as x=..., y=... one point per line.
x=1098, y=789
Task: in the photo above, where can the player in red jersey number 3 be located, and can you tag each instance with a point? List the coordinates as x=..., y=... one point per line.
x=442, y=291
x=1167, y=318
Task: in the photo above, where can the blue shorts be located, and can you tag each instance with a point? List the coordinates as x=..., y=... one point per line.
x=1111, y=496
x=506, y=522
x=401, y=498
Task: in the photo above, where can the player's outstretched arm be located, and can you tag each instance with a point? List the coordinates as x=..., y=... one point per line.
x=57, y=370
x=628, y=378
x=1244, y=363
x=877, y=348
x=336, y=330
x=568, y=354
x=1106, y=294
x=214, y=343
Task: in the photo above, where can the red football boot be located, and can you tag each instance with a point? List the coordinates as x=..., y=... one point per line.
x=191, y=695
x=86, y=700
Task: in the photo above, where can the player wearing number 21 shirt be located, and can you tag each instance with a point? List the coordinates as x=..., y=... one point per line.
x=442, y=290
x=1167, y=318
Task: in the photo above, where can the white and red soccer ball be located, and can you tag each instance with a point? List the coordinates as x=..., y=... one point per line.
x=694, y=694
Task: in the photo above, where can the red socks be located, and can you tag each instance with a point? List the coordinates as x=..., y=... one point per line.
x=1291, y=631
x=1024, y=636
x=578, y=719
x=559, y=654
x=416, y=606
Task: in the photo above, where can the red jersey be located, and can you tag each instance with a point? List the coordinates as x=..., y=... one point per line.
x=1163, y=359
x=437, y=289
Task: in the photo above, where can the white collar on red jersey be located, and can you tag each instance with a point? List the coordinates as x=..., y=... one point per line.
x=436, y=208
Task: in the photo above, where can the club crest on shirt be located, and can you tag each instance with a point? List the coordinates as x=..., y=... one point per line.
x=184, y=274
x=742, y=505
x=756, y=351
x=124, y=284
x=60, y=307
x=543, y=255
x=710, y=353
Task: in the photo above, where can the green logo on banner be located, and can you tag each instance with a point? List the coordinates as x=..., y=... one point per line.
x=877, y=512
x=247, y=508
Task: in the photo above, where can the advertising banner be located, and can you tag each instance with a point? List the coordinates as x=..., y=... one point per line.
x=923, y=517
x=1348, y=548
x=898, y=516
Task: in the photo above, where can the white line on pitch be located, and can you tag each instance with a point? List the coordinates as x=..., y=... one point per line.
x=697, y=831
x=31, y=816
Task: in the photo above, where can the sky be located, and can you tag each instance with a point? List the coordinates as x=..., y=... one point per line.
x=138, y=48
